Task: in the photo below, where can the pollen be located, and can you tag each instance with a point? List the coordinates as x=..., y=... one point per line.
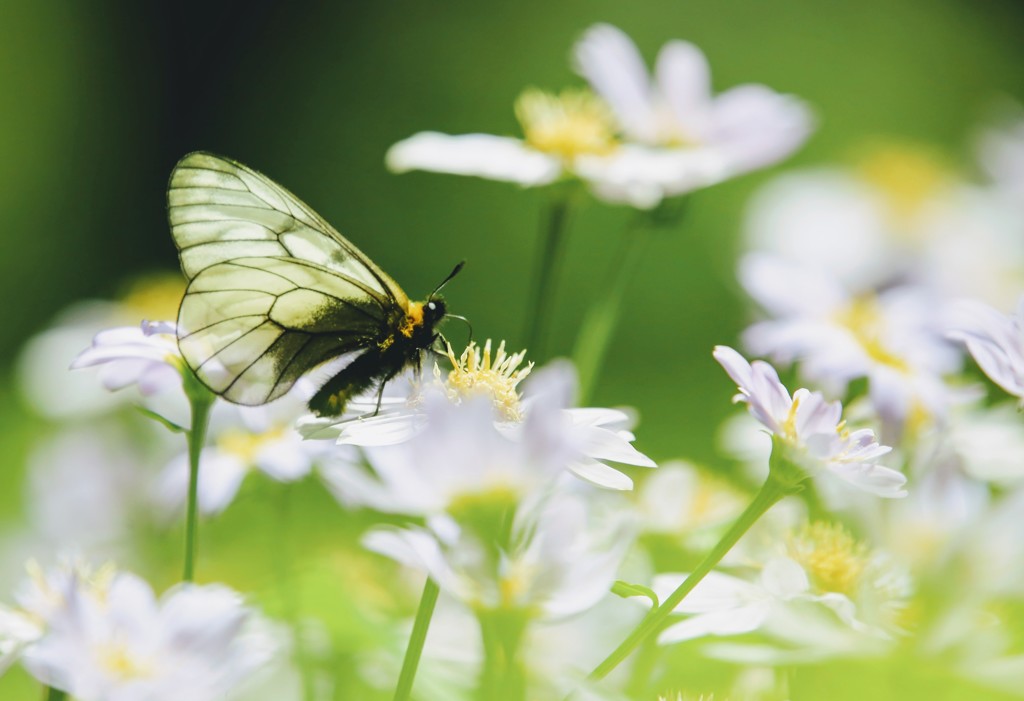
x=118, y=661
x=574, y=123
x=832, y=557
x=863, y=318
x=155, y=296
x=413, y=318
x=476, y=373
x=245, y=445
x=789, y=431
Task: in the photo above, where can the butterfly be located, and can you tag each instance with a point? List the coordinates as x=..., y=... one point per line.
x=274, y=291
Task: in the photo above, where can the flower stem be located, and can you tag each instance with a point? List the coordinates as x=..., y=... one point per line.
x=771, y=492
x=546, y=269
x=201, y=401
x=51, y=694
x=416, y=640
x=601, y=319
x=502, y=677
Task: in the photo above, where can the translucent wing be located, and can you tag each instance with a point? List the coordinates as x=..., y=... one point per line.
x=250, y=327
x=274, y=290
x=220, y=210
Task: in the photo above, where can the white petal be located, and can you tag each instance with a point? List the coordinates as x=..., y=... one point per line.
x=481, y=155
x=610, y=62
x=684, y=80
x=602, y=475
x=784, y=578
x=731, y=622
x=875, y=479
x=641, y=176
x=755, y=127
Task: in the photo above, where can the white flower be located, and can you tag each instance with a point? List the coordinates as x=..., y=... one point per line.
x=820, y=564
x=585, y=438
x=900, y=216
x=558, y=558
x=893, y=339
x=146, y=356
x=811, y=426
x=681, y=500
x=243, y=439
x=995, y=340
x=194, y=643
x=682, y=137
x=559, y=130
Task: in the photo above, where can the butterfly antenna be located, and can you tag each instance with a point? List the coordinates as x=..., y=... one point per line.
x=453, y=273
x=465, y=321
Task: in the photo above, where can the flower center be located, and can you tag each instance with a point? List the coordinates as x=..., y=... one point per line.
x=116, y=659
x=863, y=318
x=789, y=432
x=833, y=559
x=474, y=373
x=572, y=124
x=155, y=296
x=245, y=445
x=907, y=176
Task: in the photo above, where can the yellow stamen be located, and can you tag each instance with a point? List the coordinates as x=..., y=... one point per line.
x=789, y=432
x=245, y=445
x=572, y=124
x=833, y=559
x=863, y=318
x=155, y=297
x=474, y=373
x=118, y=661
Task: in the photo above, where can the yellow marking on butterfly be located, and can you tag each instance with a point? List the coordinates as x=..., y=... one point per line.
x=413, y=318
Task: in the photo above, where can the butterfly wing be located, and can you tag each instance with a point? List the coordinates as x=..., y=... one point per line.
x=274, y=290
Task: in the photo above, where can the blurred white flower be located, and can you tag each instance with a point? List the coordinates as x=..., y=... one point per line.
x=585, y=438
x=995, y=340
x=820, y=564
x=195, y=643
x=559, y=131
x=241, y=440
x=811, y=426
x=987, y=442
x=900, y=216
x=146, y=356
x=1000, y=150
x=893, y=339
x=679, y=499
x=556, y=559
x=681, y=137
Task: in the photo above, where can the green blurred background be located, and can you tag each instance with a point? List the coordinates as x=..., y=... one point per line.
x=99, y=100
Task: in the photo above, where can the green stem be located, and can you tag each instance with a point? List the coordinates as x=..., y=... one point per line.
x=546, y=269
x=51, y=694
x=416, y=640
x=771, y=492
x=201, y=402
x=601, y=319
x=502, y=678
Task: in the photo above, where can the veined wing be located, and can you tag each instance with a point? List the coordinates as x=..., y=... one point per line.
x=251, y=326
x=221, y=210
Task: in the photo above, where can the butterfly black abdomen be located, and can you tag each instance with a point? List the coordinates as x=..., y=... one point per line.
x=401, y=346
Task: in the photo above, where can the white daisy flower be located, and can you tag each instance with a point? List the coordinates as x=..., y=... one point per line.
x=819, y=564
x=556, y=559
x=558, y=130
x=681, y=137
x=995, y=340
x=893, y=339
x=196, y=642
x=146, y=356
x=243, y=440
x=588, y=438
x=811, y=427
